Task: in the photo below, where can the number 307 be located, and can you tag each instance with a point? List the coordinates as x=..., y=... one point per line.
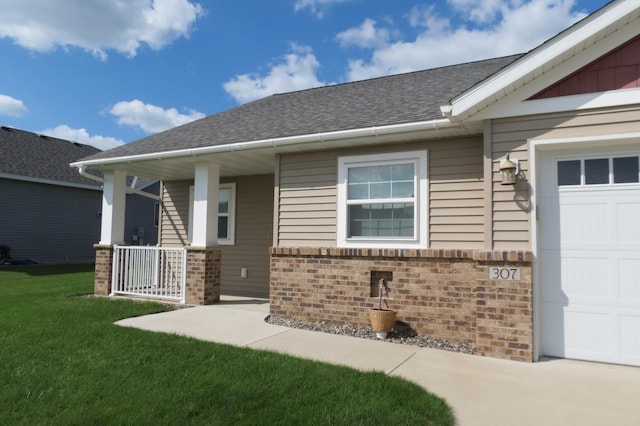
x=504, y=274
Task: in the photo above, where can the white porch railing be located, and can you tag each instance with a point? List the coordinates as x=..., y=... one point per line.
x=154, y=272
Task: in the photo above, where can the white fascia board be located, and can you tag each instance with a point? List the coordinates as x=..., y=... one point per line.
x=514, y=75
x=309, y=139
x=50, y=182
x=580, y=102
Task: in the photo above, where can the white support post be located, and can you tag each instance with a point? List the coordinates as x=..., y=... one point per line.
x=114, y=197
x=205, y=204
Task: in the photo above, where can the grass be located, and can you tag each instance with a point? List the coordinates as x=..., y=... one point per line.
x=62, y=361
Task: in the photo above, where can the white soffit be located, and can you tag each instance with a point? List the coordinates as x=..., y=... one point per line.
x=505, y=93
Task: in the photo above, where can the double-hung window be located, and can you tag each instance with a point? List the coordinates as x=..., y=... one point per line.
x=382, y=200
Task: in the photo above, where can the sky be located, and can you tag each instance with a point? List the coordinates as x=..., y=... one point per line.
x=107, y=72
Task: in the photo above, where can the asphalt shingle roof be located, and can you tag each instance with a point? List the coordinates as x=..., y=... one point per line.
x=396, y=99
x=31, y=155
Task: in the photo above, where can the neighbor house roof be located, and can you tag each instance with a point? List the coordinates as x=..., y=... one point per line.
x=396, y=99
x=30, y=156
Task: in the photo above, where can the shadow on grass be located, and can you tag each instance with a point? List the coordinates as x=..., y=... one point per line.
x=48, y=269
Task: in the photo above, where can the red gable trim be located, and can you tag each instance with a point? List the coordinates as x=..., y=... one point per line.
x=619, y=69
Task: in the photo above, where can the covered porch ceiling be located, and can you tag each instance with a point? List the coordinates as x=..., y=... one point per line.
x=259, y=157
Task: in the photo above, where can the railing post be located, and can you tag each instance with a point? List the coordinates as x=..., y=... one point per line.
x=114, y=270
x=183, y=277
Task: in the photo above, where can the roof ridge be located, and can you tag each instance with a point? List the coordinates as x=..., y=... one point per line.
x=382, y=77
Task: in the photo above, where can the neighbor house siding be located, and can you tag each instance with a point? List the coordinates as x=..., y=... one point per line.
x=307, y=194
x=511, y=218
x=139, y=217
x=49, y=223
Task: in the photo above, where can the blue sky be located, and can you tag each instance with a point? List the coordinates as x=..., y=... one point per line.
x=105, y=73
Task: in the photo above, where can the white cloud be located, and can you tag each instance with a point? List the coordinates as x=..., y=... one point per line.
x=97, y=25
x=518, y=27
x=317, y=7
x=12, y=106
x=82, y=136
x=151, y=118
x=296, y=72
x=365, y=36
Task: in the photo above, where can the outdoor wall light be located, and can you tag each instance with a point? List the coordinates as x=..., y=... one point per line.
x=509, y=169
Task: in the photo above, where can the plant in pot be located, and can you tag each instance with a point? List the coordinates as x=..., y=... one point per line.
x=382, y=320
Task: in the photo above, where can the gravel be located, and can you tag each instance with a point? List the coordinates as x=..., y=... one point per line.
x=401, y=335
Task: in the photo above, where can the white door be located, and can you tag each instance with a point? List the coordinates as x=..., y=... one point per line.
x=589, y=256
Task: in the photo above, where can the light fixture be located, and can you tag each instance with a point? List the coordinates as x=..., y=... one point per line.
x=509, y=169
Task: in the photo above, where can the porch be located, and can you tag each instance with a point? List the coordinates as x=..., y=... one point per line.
x=189, y=275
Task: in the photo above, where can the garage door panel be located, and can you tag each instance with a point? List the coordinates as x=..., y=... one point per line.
x=628, y=278
x=628, y=224
x=587, y=333
x=630, y=337
x=576, y=217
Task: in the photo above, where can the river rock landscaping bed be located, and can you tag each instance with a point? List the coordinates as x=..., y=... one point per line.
x=401, y=335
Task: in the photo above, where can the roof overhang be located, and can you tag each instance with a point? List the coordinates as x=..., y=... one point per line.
x=50, y=182
x=504, y=93
x=258, y=157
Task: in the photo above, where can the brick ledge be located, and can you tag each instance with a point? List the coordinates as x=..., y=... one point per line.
x=476, y=255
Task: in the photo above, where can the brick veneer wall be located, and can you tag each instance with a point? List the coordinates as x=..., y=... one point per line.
x=103, y=268
x=441, y=293
x=203, y=276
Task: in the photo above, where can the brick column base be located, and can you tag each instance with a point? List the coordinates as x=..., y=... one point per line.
x=104, y=268
x=203, y=275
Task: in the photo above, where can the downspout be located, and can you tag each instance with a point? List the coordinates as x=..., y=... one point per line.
x=84, y=173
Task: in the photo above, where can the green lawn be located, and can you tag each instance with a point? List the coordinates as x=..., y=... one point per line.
x=62, y=361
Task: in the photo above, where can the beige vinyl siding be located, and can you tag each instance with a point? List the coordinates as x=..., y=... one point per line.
x=174, y=217
x=254, y=228
x=456, y=194
x=308, y=194
x=511, y=218
x=307, y=203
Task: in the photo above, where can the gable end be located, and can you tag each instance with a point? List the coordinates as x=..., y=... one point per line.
x=619, y=69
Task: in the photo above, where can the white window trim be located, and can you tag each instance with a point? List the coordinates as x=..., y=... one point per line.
x=231, y=225
x=420, y=239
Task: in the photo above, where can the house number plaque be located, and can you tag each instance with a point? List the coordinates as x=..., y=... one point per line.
x=504, y=273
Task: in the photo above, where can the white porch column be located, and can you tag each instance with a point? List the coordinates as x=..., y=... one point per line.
x=205, y=204
x=114, y=197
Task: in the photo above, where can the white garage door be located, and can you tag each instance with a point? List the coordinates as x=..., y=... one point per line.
x=589, y=256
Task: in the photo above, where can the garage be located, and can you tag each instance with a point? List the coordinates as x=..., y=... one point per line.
x=588, y=227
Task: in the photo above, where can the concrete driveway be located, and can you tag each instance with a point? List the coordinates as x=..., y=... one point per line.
x=481, y=391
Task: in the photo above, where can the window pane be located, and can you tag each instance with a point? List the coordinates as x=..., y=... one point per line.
x=569, y=172
x=223, y=226
x=358, y=191
x=596, y=171
x=358, y=174
x=380, y=174
x=402, y=190
x=402, y=172
x=223, y=201
x=381, y=220
x=380, y=190
x=625, y=170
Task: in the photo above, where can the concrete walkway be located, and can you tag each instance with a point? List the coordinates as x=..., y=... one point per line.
x=481, y=391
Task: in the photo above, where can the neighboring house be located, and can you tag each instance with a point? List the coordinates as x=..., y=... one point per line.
x=331, y=189
x=48, y=212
